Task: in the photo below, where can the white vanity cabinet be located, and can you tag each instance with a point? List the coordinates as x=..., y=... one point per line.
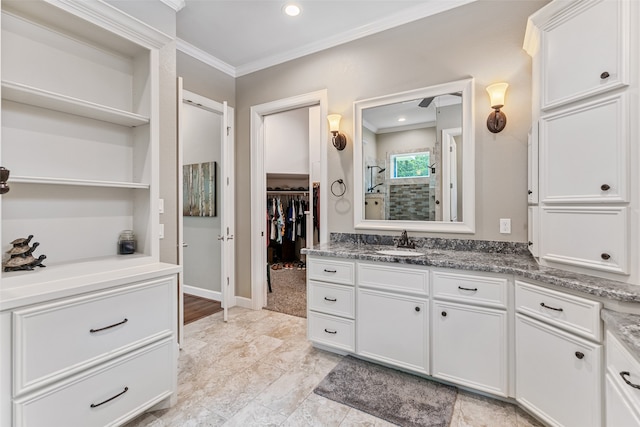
x=558, y=372
x=469, y=331
x=585, y=58
x=331, y=303
x=393, y=315
x=622, y=378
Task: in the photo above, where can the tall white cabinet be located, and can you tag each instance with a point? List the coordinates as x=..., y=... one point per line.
x=90, y=339
x=585, y=96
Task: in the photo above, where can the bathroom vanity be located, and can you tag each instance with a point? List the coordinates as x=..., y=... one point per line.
x=483, y=316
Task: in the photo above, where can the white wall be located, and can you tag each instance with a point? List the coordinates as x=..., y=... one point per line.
x=287, y=142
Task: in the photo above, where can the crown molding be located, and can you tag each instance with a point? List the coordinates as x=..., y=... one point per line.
x=109, y=17
x=175, y=4
x=203, y=56
x=403, y=17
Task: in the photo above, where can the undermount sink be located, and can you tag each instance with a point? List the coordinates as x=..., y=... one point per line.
x=399, y=252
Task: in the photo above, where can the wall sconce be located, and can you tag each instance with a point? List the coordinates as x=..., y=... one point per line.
x=497, y=120
x=339, y=140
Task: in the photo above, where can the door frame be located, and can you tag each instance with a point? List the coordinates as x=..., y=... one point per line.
x=259, y=184
x=448, y=140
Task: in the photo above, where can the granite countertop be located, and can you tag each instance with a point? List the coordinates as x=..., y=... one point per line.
x=484, y=256
x=626, y=327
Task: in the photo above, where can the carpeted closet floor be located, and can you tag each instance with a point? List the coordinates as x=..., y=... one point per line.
x=289, y=286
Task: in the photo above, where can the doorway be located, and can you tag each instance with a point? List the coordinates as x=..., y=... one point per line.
x=206, y=199
x=317, y=175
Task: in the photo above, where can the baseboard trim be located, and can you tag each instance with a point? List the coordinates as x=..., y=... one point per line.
x=202, y=293
x=243, y=302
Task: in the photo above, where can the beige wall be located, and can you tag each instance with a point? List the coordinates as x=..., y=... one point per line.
x=200, y=78
x=481, y=40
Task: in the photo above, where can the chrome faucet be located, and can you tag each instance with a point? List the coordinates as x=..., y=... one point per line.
x=404, y=241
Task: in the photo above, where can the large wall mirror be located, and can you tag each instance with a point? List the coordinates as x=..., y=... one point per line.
x=414, y=160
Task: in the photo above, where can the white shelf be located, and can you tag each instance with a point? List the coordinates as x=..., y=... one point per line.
x=75, y=182
x=29, y=95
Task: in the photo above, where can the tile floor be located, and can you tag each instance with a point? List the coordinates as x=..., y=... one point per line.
x=259, y=370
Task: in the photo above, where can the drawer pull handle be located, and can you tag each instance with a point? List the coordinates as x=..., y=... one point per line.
x=604, y=75
x=550, y=308
x=330, y=332
x=625, y=374
x=579, y=355
x=444, y=314
x=330, y=271
x=605, y=256
x=331, y=299
x=467, y=289
x=605, y=187
x=418, y=309
x=95, y=405
x=109, y=327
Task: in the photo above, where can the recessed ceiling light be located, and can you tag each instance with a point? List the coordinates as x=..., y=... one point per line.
x=291, y=9
x=401, y=119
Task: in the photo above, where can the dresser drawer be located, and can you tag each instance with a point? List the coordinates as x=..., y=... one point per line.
x=70, y=404
x=331, y=331
x=331, y=270
x=64, y=337
x=385, y=276
x=331, y=299
x=578, y=315
x=624, y=370
x=489, y=291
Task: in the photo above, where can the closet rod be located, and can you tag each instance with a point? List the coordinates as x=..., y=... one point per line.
x=287, y=192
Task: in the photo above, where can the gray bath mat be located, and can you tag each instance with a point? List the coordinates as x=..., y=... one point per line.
x=394, y=396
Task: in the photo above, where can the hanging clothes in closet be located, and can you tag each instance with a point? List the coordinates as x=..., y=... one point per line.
x=286, y=222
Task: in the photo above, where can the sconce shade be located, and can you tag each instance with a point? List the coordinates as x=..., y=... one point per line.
x=334, y=122
x=496, y=94
x=339, y=140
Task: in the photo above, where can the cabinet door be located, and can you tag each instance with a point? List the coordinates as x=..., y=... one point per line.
x=470, y=346
x=558, y=375
x=393, y=329
x=533, y=225
x=584, y=51
x=594, y=238
x=532, y=165
x=584, y=153
x=619, y=410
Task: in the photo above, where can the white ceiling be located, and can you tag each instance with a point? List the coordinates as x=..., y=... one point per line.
x=243, y=36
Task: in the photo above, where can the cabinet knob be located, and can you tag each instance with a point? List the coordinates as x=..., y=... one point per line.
x=529, y=192
x=444, y=314
x=605, y=75
x=579, y=354
x=605, y=187
x=437, y=202
x=366, y=203
x=605, y=256
x=417, y=308
x=530, y=243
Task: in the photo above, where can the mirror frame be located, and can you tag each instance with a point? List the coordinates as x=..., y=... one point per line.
x=468, y=160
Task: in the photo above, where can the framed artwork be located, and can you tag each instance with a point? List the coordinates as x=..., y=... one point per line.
x=199, y=189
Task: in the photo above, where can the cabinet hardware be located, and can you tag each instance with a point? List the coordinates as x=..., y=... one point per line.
x=579, y=354
x=605, y=187
x=444, y=314
x=624, y=375
x=467, y=289
x=418, y=309
x=95, y=405
x=330, y=332
x=530, y=243
x=605, y=256
x=529, y=192
x=330, y=299
x=550, y=308
x=605, y=75
x=330, y=271
x=109, y=327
